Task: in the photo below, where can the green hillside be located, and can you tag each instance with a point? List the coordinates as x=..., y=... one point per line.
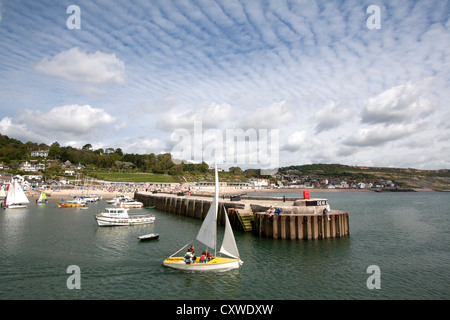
x=113, y=165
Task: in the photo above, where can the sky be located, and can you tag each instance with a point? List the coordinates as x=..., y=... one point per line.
x=250, y=83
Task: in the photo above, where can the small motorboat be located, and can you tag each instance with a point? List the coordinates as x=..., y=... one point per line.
x=72, y=203
x=150, y=236
x=131, y=204
x=118, y=199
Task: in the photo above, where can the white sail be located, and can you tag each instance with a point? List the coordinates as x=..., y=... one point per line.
x=16, y=195
x=10, y=195
x=20, y=194
x=207, y=232
x=229, y=246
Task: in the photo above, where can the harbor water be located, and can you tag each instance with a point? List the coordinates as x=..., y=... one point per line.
x=405, y=236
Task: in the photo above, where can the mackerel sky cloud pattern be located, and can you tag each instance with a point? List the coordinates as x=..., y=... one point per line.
x=337, y=91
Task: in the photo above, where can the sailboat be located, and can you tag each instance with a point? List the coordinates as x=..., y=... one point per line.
x=2, y=197
x=42, y=198
x=16, y=197
x=207, y=235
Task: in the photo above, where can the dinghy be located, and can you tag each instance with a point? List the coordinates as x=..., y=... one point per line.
x=16, y=197
x=207, y=235
x=42, y=198
x=150, y=236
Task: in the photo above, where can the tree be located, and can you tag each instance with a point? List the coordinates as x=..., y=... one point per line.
x=87, y=146
x=203, y=167
x=176, y=170
x=235, y=170
x=54, y=151
x=123, y=165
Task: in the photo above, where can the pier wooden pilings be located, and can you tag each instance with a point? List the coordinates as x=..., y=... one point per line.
x=293, y=226
x=302, y=226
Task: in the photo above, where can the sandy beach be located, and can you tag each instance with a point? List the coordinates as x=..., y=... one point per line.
x=226, y=191
x=66, y=194
x=107, y=194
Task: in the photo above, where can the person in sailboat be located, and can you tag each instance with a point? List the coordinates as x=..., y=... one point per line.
x=191, y=249
x=190, y=255
x=205, y=256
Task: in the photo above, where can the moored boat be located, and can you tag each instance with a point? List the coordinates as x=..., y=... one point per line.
x=120, y=217
x=150, y=236
x=91, y=198
x=131, y=204
x=72, y=203
x=118, y=199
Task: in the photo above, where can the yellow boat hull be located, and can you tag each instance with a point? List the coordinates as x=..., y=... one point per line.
x=218, y=263
x=70, y=205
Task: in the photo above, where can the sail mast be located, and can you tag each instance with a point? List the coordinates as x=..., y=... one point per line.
x=216, y=197
x=208, y=231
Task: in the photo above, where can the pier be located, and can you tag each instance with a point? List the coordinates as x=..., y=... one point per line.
x=300, y=219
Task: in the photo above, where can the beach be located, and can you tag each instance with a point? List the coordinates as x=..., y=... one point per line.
x=70, y=193
x=109, y=194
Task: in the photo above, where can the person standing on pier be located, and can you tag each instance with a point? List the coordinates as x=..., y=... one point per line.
x=325, y=211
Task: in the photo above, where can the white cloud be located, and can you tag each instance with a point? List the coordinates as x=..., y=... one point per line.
x=399, y=104
x=76, y=65
x=144, y=146
x=65, y=122
x=296, y=142
x=268, y=117
x=379, y=135
x=331, y=117
x=209, y=115
x=311, y=69
x=19, y=131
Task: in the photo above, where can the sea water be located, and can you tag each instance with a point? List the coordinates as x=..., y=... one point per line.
x=398, y=248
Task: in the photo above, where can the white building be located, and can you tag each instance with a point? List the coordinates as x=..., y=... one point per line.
x=259, y=182
x=39, y=153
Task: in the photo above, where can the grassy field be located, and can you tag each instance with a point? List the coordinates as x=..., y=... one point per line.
x=136, y=177
x=165, y=178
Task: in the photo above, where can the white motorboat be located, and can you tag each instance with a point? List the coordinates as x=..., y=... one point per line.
x=131, y=204
x=126, y=202
x=91, y=198
x=118, y=199
x=120, y=217
x=95, y=197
